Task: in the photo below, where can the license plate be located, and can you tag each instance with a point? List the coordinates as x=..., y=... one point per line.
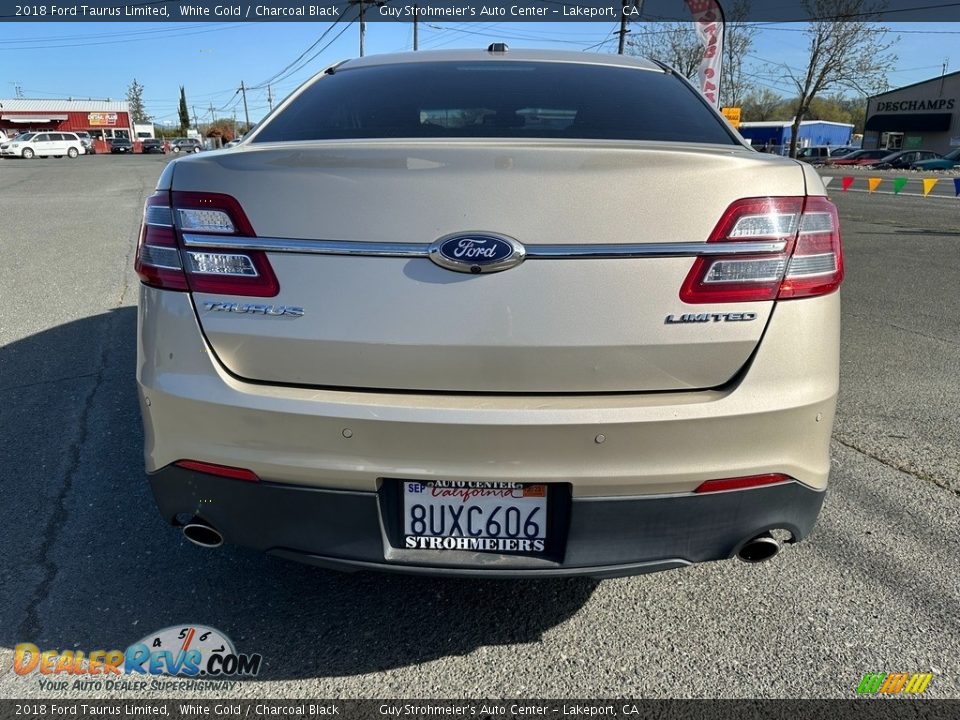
x=498, y=517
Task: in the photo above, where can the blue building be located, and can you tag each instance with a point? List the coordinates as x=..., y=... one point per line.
x=777, y=133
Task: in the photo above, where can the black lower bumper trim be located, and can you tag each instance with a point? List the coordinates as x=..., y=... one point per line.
x=607, y=571
x=605, y=537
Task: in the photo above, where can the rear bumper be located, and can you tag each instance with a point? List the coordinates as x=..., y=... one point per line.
x=603, y=537
x=629, y=462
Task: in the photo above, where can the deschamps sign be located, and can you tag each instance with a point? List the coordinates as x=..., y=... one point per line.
x=911, y=105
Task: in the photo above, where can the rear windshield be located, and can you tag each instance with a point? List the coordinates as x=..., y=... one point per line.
x=497, y=99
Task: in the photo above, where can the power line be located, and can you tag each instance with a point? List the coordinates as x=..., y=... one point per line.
x=97, y=36
x=316, y=42
x=118, y=42
x=290, y=70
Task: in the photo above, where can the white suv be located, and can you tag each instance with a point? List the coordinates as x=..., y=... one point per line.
x=43, y=144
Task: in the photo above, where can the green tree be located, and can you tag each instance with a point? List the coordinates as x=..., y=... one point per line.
x=183, y=111
x=138, y=113
x=762, y=104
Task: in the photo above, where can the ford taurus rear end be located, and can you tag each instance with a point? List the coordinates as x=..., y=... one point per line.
x=496, y=314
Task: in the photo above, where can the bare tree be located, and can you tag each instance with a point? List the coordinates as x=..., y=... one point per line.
x=738, y=38
x=673, y=43
x=847, y=51
x=677, y=45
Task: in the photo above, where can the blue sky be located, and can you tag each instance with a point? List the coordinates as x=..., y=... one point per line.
x=98, y=60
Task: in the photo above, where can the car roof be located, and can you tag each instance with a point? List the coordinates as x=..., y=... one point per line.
x=522, y=54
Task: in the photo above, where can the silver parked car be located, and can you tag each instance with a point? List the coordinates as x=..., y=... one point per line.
x=503, y=313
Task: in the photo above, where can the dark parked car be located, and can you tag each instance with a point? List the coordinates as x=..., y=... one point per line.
x=152, y=145
x=947, y=162
x=817, y=154
x=187, y=145
x=842, y=151
x=120, y=145
x=861, y=157
x=903, y=159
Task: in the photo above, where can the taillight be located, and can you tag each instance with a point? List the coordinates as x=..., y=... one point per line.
x=805, y=256
x=158, y=258
x=171, y=252
x=816, y=265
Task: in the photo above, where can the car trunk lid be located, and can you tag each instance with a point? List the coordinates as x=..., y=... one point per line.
x=350, y=314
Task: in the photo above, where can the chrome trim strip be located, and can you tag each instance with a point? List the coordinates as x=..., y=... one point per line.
x=309, y=247
x=654, y=250
x=550, y=252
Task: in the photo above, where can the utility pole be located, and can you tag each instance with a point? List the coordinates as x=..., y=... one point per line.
x=270, y=97
x=416, y=36
x=638, y=4
x=363, y=27
x=623, y=27
x=246, y=113
x=362, y=17
x=196, y=124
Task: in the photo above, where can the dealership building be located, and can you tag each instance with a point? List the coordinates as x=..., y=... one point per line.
x=103, y=119
x=922, y=116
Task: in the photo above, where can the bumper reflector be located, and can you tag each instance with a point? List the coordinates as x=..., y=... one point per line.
x=741, y=483
x=234, y=473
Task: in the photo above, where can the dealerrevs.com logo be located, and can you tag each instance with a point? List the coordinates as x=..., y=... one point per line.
x=192, y=651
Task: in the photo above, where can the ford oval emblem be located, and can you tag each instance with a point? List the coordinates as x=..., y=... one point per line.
x=477, y=252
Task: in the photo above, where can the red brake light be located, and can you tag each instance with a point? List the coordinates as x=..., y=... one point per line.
x=171, y=252
x=158, y=258
x=741, y=483
x=816, y=266
x=810, y=261
x=227, y=471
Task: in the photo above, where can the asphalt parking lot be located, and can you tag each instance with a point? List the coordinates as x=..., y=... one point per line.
x=88, y=564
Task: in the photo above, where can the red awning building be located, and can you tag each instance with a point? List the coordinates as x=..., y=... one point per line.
x=103, y=119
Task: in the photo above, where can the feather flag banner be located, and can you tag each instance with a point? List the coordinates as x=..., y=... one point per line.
x=708, y=22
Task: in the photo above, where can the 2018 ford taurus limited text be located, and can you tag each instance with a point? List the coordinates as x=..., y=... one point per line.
x=490, y=313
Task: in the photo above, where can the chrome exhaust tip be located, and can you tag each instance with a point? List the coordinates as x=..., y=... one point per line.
x=202, y=534
x=759, y=549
